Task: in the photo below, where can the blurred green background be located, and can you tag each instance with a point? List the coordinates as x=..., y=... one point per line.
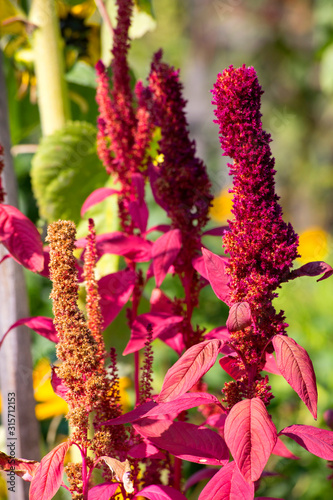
x=290, y=44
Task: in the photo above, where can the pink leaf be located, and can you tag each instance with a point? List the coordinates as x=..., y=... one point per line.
x=230, y=366
x=161, y=322
x=115, y=290
x=21, y=238
x=48, y=477
x=190, y=442
x=200, y=475
x=145, y=450
x=160, y=492
x=317, y=441
x=313, y=269
x=239, y=317
x=151, y=408
x=97, y=196
x=250, y=436
x=222, y=333
x=133, y=247
x=270, y=365
x=199, y=265
x=25, y=469
x=186, y=372
x=281, y=450
x=296, y=367
x=228, y=484
x=154, y=174
x=164, y=252
x=163, y=228
x=216, y=273
x=102, y=491
x=57, y=384
x=40, y=324
x=216, y=231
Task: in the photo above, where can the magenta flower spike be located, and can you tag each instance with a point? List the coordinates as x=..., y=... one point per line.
x=261, y=245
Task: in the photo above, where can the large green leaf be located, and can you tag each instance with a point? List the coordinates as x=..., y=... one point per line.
x=65, y=170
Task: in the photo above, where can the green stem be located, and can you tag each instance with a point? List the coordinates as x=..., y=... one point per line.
x=47, y=45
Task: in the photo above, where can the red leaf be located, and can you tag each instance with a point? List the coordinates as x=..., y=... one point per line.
x=151, y=408
x=216, y=273
x=198, y=476
x=21, y=238
x=189, y=442
x=133, y=247
x=163, y=228
x=186, y=372
x=97, y=196
x=164, y=252
x=48, y=477
x=229, y=365
x=317, y=441
x=160, y=492
x=145, y=450
x=228, y=484
x=270, y=365
x=222, y=333
x=313, y=269
x=250, y=436
x=40, y=324
x=281, y=450
x=160, y=302
x=102, y=491
x=296, y=367
x=57, y=384
x=115, y=290
x=239, y=317
x=26, y=469
x=216, y=231
x=199, y=265
x=161, y=322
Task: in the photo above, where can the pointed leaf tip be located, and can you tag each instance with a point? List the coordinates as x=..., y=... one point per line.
x=246, y=424
x=296, y=367
x=313, y=269
x=319, y=442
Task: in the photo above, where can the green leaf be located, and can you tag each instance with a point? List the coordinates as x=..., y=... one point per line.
x=82, y=74
x=65, y=170
x=142, y=21
x=326, y=70
x=146, y=6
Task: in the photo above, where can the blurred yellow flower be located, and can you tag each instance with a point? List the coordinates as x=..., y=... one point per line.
x=313, y=244
x=220, y=211
x=50, y=404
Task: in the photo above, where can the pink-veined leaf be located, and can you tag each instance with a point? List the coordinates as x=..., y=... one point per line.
x=317, y=441
x=161, y=322
x=137, y=208
x=198, y=476
x=228, y=484
x=115, y=290
x=21, y=238
x=134, y=248
x=239, y=317
x=151, y=408
x=188, y=442
x=160, y=492
x=281, y=450
x=199, y=265
x=164, y=252
x=230, y=366
x=216, y=231
x=48, y=477
x=216, y=420
x=57, y=384
x=217, y=276
x=102, y=491
x=296, y=367
x=186, y=372
x=313, y=269
x=270, y=365
x=251, y=436
x=97, y=196
x=26, y=469
x=40, y=324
